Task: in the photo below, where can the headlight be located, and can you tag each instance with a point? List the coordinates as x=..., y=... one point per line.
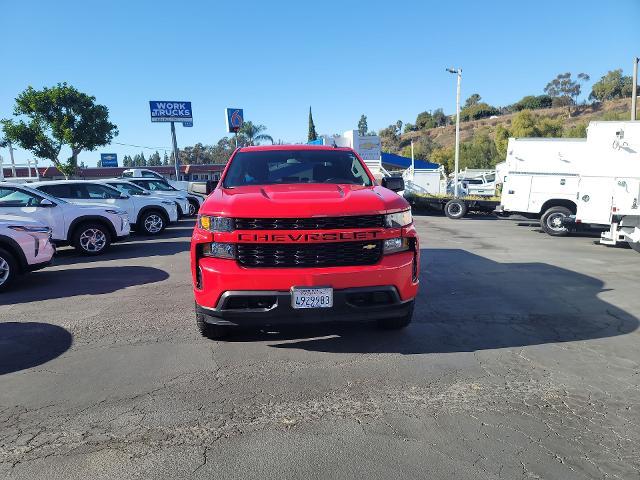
x=398, y=219
x=30, y=229
x=117, y=212
x=394, y=245
x=219, y=250
x=216, y=224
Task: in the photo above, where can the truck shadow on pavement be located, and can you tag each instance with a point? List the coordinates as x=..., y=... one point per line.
x=469, y=303
x=26, y=345
x=52, y=284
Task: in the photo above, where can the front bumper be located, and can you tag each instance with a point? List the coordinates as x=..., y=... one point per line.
x=349, y=305
x=213, y=277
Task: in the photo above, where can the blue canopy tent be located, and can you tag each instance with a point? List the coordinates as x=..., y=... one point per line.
x=398, y=161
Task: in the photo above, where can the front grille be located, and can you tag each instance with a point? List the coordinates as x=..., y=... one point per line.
x=315, y=223
x=338, y=254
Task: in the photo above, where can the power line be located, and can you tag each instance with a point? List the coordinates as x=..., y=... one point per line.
x=142, y=146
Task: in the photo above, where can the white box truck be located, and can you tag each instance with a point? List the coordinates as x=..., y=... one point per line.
x=540, y=179
x=609, y=182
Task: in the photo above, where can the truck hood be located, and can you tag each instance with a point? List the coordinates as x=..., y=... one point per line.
x=302, y=200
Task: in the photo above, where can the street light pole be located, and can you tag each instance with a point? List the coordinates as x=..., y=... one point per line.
x=458, y=72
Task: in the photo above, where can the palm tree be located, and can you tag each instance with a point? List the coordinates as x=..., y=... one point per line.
x=252, y=134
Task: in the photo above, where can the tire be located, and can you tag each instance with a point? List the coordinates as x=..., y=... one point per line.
x=207, y=330
x=550, y=221
x=151, y=222
x=82, y=238
x=397, y=323
x=455, y=209
x=8, y=269
x=193, y=208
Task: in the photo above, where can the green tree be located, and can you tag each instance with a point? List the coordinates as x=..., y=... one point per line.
x=478, y=111
x=139, y=160
x=577, y=131
x=51, y=118
x=549, y=127
x=612, y=85
x=532, y=102
x=440, y=118
x=363, y=128
x=154, y=160
x=127, y=161
x=165, y=159
x=425, y=121
x=422, y=148
x=312, y=135
x=444, y=156
x=474, y=99
x=524, y=125
x=566, y=89
x=480, y=152
x=502, y=140
x=252, y=134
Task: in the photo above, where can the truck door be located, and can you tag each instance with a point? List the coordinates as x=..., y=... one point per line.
x=515, y=192
x=594, y=199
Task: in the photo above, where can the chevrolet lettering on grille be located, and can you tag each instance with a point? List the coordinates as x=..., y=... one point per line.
x=307, y=237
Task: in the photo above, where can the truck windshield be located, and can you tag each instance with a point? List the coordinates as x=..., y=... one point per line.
x=270, y=167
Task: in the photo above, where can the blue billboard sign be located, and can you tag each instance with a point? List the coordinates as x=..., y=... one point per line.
x=108, y=159
x=170, y=111
x=234, y=118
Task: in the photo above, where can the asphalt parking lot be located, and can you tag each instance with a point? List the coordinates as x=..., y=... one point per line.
x=522, y=362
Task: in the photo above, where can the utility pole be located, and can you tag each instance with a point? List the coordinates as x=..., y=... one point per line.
x=634, y=89
x=176, y=159
x=458, y=72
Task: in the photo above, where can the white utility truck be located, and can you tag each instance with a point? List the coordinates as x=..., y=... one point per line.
x=571, y=182
x=608, y=187
x=540, y=179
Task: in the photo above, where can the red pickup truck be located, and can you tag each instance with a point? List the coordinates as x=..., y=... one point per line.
x=299, y=233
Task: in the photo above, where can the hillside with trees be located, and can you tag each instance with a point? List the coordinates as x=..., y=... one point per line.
x=485, y=129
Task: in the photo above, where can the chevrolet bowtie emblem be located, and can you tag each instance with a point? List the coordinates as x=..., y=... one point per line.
x=369, y=247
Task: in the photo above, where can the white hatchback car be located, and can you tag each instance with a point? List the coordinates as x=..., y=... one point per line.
x=25, y=246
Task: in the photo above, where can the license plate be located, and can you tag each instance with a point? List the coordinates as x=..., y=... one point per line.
x=312, y=297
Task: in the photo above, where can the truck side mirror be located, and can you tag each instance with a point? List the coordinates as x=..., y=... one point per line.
x=395, y=184
x=211, y=186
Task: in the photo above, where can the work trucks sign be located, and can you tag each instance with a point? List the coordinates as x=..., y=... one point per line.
x=169, y=111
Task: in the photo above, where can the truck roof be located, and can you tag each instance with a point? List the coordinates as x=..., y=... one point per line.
x=259, y=148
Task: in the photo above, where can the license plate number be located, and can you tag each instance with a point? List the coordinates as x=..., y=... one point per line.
x=312, y=297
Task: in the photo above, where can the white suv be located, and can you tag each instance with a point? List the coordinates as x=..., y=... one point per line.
x=24, y=247
x=148, y=215
x=90, y=229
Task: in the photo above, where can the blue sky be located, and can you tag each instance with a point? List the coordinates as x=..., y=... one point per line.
x=275, y=59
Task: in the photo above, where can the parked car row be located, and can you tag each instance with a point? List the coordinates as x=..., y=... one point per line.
x=89, y=215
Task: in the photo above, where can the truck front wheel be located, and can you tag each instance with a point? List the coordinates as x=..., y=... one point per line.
x=396, y=323
x=551, y=221
x=207, y=330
